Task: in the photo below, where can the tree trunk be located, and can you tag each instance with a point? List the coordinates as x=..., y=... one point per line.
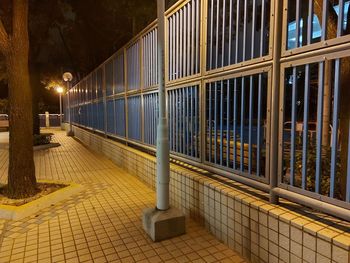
x=21, y=173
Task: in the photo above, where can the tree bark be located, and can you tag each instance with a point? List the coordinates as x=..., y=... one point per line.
x=21, y=172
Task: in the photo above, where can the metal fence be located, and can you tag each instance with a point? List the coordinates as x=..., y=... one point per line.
x=256, y=91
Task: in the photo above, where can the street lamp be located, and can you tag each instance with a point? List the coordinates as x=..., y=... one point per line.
x=68, y=77
x=60, y=90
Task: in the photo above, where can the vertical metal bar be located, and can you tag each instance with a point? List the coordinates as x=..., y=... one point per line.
x=309, y=21
x=192, y=39
x=147, y=114
x=324, y=20
x=144, y=59
x=192, y=123
x=235, y=123
x=173, y=97
x=250, y=125
x=172, y=118
x=319, y=127
x=215, y=121
x=223, y=33
x=177, y=46
x=170, y=50
x=184, y=55
x=293, y=128
x=258, y=144
x=237, y=30
x=181, y=44
x=210, y=123
x=211, y=34
x=253, y=30
x=242, y=122
x=197, y=36
x=228, y=130
x=177, y=108
x=217, y=34
x=221, y=122
x=340, y=18
x=297, y=23
x=151, y=59
x=187, y=121
x=196, y=109
x=334, y=146
x=245, y=29
x=230, y=36
x=305, y=125
x=188, y=26
x=182, y=113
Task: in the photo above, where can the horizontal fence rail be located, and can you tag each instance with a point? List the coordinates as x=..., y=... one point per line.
x=219, y=77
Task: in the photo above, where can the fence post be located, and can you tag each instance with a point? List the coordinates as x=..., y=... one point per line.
x=274, y=158
x=47, y=119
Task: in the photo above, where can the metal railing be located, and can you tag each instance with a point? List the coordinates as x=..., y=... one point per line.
x=255, y=93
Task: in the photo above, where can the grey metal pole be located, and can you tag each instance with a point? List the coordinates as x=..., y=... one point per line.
x=60, y=110
x=275, y=100
x=70, y=131
x=162, y=133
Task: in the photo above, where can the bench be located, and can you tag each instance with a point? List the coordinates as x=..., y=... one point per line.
x=238, y=152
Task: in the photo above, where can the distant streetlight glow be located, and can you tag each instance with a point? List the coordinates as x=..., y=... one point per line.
x=59, y=90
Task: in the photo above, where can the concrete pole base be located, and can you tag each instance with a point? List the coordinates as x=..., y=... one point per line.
x=161, y=225
x=70, y=133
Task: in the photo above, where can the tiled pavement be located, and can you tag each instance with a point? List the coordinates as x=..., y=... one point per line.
x=100, y=224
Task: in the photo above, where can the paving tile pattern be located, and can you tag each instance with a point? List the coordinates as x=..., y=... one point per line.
x=100, y=224
x=239, y=216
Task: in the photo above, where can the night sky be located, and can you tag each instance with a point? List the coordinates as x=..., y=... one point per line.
x=76, y=36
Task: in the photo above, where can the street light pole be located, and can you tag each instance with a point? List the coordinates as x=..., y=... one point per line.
x=68, y=77
x=163, y=221
x=162, y=133
x=60, y=91
x=60, y=109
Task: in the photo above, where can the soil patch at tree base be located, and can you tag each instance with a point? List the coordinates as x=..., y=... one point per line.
x=42, y=190
x=49, y=194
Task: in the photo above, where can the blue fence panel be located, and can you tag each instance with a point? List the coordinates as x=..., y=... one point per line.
x=109, y=77
x=184, y=121
x=151, y=116
x=236, y=115
x=120, y=116
x=184, y=41
x=110, y=117
x=133, y=65
x=119, y=73
x=99, y=82
x=101, y=116
x=315, y=135
x=134, y=118
x=94, y=116
x=150, y=59
x=237, y=31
